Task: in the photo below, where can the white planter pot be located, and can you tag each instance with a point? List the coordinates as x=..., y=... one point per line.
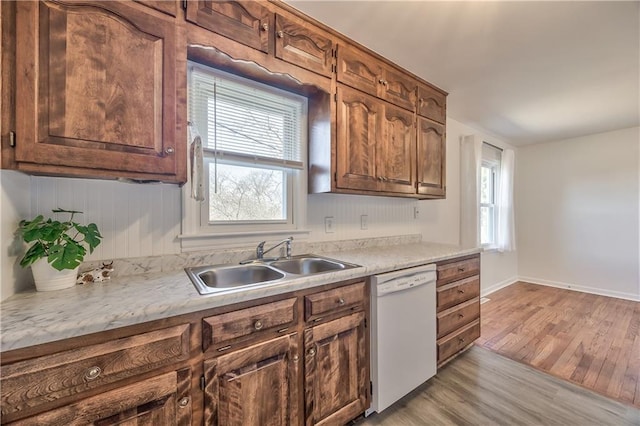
x=48, y=278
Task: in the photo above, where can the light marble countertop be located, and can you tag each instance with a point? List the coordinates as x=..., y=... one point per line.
x=32, y=318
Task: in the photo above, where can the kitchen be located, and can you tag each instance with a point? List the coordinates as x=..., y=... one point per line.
x=140, y=222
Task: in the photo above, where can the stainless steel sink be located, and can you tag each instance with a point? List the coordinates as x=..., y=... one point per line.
x=208, y=279
x=260, y=273
x=307, y=265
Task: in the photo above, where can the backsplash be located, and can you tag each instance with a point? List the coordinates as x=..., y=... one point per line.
x=173, y=262
x=143, y=220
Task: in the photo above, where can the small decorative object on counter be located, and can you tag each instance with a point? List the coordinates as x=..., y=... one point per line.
x=58, y=249
x=96, y=275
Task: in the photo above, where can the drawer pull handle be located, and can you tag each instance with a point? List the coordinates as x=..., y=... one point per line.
x=460, y=316
x=92, y=373
x=258, y=325
x=265, y=27
x=461, y=340
x=460, y=269
x=341, y=301
x=461, y=291
x=183, y=402
x=312, y=352
x=224, y=348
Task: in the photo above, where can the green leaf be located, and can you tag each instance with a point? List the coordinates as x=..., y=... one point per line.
x=67, y=256
x=91, y=235
x=35, y=252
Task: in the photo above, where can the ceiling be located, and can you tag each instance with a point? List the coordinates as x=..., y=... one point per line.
x=525, y=72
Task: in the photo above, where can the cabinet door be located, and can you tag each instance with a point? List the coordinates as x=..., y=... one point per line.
x=162, y=400
x=359, y=70
x=254, y=386
x=359, y=118
x=399, y=89
x=432, y=104
x=247, y=22
x=304, y=45
x=397, y=151
x=431, y=158
x=97, y=84
x=336, y=371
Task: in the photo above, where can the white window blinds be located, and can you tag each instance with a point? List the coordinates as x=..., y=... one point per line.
x=247, y=121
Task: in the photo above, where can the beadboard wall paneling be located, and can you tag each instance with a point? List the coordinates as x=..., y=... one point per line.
x=387, y=216
x=144, y=219
x=134, y=219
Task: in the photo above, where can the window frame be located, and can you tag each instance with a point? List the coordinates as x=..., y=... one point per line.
x=494, y=166
x=198, y=233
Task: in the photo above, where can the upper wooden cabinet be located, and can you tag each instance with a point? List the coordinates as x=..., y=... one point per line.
x=257, y=25
x=432, y=104
x=98, y=84
x=431, y=158
x=247, y=22
x=375, y=144
x=362, y=71
x=304, y=45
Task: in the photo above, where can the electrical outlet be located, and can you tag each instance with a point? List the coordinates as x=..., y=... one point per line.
x=416, y=212
x=364, y=222
x=328, y=225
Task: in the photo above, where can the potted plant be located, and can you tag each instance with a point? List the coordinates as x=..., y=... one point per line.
x=58, y=249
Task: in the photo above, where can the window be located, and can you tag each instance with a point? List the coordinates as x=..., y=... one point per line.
x=489, y=178
x=254, y=140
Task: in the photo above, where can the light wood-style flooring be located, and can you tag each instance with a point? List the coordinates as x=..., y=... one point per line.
x=590, y=340
x=483, y=388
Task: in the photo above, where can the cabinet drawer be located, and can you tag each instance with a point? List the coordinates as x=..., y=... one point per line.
x=250, y=321
x=432, y=104
x=457, y=292
x=454, y=271
x=457, y=316
x=457, y=341
x=331, y=301
x=29, y=383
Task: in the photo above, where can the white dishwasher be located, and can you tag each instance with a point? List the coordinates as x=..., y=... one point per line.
x=403, y=333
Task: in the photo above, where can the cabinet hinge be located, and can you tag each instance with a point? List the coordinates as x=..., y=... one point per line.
x=12, y=139
x=370, y=388
x=184, y=4
x=203, y=382
x=335, y=177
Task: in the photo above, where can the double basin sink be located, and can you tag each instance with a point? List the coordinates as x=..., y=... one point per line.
x=260, y=273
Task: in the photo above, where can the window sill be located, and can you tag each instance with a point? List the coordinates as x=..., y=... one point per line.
x=489, y=249
x=196, y=242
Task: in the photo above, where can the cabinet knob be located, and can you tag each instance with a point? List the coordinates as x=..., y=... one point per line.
x=265, y=27
x=421, y=101
x=295, y=358
x=183, y=402
x=257, y=325
x=280, y=34
x=461, y=291
x=460, y=269
x=461, y=340
x=92, y=373
x=460, y=316
x=341, y=301
x=169, y=151
x=312, y=352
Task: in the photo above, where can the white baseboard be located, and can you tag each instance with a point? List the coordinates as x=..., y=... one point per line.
x=498, y=286
x=591, y=290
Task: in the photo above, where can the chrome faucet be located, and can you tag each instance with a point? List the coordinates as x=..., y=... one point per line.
x=260, y=251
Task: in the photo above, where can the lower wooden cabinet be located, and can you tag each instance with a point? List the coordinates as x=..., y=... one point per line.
x=254, y=386
x=300, y=358
x=336, y=371
x=458, y=305
x=161, y=400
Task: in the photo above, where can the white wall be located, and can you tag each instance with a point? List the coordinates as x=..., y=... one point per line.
x=440, y=219
x=14, y=205
x=577, y=213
